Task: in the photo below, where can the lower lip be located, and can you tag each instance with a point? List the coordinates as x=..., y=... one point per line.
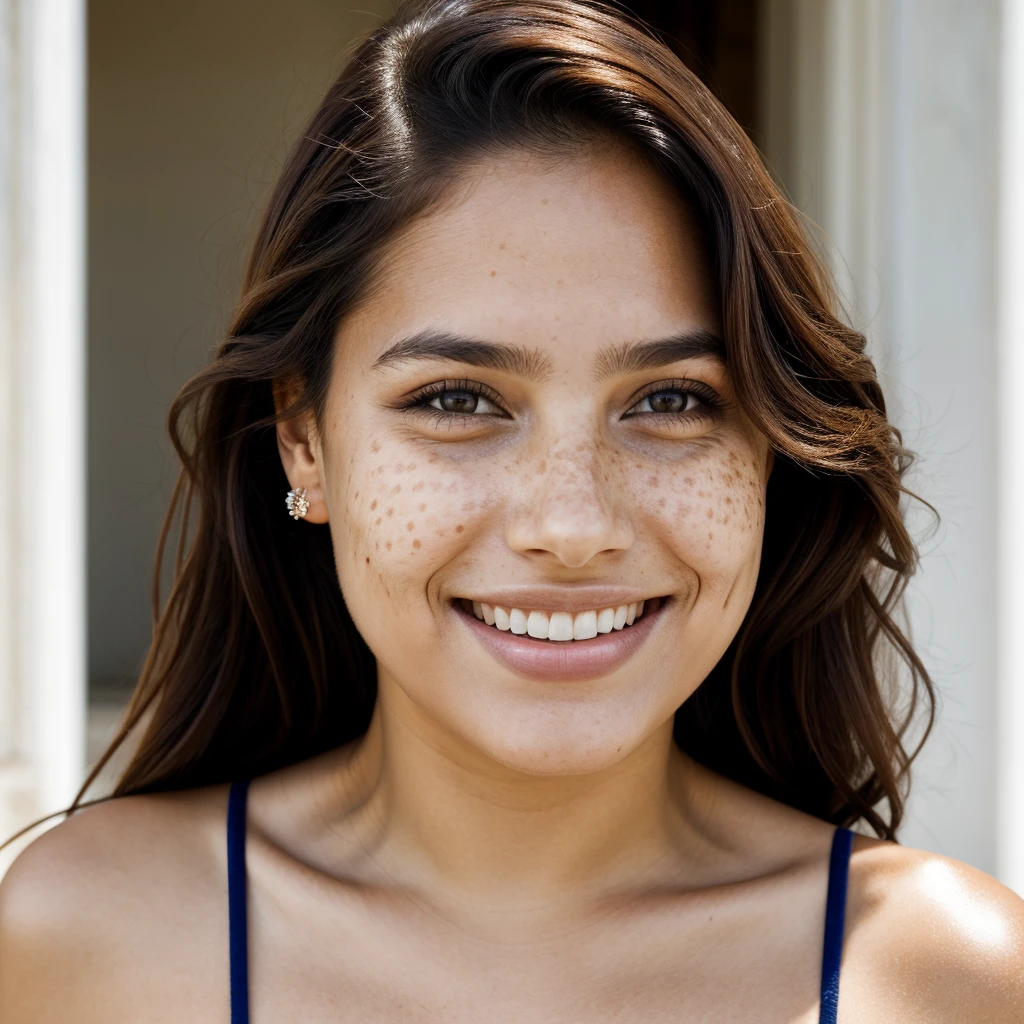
x=563, y=661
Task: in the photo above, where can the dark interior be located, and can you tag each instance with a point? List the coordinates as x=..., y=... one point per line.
x=717, y=39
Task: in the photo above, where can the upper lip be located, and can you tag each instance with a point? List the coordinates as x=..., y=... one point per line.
x=581, y=598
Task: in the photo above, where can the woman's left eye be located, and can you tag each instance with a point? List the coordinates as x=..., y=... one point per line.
x=671, y=400
x=690, y=401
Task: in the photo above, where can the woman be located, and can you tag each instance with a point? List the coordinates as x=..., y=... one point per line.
x=572, y=642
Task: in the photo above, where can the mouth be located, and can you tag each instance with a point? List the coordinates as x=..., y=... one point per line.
x=560, y=645
x=560, y=627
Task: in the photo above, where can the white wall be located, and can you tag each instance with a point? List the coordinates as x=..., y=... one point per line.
x=42, y=408
x=893, y=149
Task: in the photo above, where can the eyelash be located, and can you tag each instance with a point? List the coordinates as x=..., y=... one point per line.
x=419, y=402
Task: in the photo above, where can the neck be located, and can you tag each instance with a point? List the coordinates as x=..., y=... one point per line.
x=447, y=817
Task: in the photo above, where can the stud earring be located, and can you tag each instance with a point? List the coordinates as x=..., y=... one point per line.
x=297, y=502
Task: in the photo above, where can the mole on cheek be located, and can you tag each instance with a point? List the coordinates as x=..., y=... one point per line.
x=459, y=528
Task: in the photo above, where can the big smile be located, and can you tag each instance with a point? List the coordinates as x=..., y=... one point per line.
x=553, y=645
x=561, y=627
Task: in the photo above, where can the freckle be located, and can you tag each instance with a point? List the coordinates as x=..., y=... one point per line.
x=418, y=487
x=661, y=503
x=494, y=273
x=373, y=505
x=378, y=522
x=367, y=559
x=728, y=501
x=542, y=466
x=416, y=544
x=423, y=505
x=388, y=545
x=374, y=447
x=356, y=498
x=653, y=481
x=688, y=481
x=410, y=525
x=711, y=513
x=503, y=246
x=391, y=511
x=459, y=528
x=711, y=536
x=545, y=202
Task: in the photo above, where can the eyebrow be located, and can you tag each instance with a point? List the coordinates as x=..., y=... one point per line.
x=633, y=356
x=626, y=357
x=431, y=344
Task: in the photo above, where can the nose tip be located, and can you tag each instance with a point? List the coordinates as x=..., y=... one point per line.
x=572, y=515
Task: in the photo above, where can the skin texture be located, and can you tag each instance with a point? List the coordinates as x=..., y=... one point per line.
x=499, y=848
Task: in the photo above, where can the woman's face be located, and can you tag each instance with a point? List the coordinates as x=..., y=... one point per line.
x=533, y=413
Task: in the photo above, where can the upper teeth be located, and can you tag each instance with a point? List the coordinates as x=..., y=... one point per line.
x=558, y=625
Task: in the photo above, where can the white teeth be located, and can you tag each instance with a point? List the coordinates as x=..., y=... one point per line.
x=558, y=626
x=537, y=625
x=561, y=626
x=584, y=626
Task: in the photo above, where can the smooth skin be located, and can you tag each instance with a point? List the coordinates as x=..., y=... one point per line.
x=498, y=848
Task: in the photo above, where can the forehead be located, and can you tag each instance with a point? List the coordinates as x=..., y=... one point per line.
x=565, y=255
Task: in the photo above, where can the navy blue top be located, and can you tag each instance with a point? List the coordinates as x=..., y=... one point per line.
x=832, y=951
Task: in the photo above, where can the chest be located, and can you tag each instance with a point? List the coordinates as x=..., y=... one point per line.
x=653, y=963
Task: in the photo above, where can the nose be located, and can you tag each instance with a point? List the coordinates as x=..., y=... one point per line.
x=568, y=506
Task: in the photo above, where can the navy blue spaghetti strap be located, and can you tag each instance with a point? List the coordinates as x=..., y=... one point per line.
x=238, y=928
x=835, y=913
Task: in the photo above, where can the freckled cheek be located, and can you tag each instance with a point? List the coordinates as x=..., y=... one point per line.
x=711, y=513
x=404, y=516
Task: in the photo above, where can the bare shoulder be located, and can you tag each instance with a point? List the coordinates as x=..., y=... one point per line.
x=110, y=892
x=929, y=938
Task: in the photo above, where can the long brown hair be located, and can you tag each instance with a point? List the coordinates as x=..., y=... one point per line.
x=255, y=662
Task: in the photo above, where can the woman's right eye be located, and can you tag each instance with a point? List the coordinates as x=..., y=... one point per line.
x=462, y=402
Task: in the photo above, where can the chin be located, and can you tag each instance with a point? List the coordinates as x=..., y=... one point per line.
x=559, y=741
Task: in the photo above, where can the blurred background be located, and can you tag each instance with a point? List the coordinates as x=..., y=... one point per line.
x=137, y=143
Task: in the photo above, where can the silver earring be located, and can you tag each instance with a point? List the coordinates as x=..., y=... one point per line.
x=297, y=502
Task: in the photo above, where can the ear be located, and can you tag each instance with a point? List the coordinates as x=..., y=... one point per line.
x=298, y=444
